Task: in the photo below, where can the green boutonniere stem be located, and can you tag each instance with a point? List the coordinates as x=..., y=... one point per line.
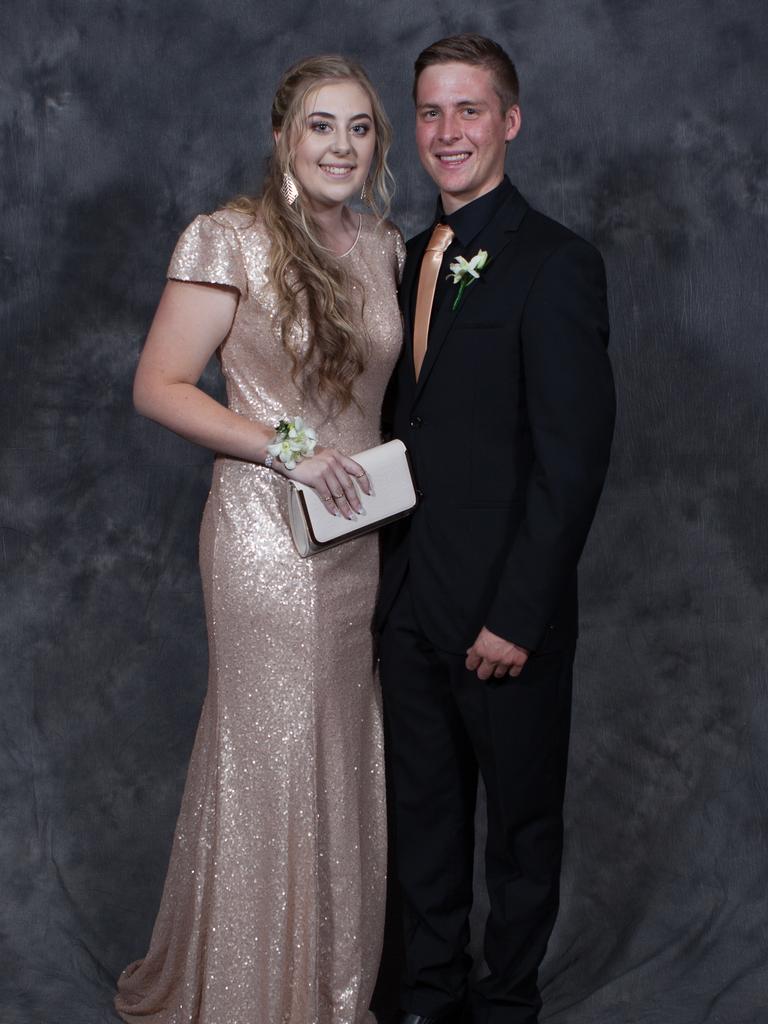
x=459, y=293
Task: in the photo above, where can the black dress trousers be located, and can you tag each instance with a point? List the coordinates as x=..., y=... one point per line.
x=443, y=724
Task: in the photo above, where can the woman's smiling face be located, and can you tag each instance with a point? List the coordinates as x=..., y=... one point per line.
x=333, y=155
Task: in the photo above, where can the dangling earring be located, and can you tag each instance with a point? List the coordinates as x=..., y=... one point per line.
x=288, y=189
x=365, y=193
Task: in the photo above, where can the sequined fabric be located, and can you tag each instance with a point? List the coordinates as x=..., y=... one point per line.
x=273, y=906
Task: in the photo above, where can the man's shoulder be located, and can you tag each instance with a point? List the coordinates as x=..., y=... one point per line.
x=538, y=232
x=548, y=235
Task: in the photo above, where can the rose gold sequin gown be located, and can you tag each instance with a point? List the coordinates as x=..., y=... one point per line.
x=273, y=906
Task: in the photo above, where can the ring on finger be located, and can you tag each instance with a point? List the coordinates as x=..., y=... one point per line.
x=337, y=496
x=329, y=498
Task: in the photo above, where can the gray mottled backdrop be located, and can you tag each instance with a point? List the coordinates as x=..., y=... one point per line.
x=644, y=129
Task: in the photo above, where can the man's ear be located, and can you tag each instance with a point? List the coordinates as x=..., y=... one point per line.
x=513, y=120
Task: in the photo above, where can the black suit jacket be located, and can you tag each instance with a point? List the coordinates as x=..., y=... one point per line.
x=509, y=430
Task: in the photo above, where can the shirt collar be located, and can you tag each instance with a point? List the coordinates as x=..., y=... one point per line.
x=468, y=221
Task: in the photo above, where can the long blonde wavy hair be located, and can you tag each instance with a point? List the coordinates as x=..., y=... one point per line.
x=308, y=279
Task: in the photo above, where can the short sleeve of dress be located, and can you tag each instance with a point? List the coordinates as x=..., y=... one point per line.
x=209, y=252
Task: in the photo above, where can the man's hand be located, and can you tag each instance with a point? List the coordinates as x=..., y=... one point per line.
x=491, y=655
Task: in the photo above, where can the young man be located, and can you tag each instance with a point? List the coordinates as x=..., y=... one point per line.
x=504, y=397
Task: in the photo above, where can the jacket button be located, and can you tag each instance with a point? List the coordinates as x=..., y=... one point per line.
x=416, y=422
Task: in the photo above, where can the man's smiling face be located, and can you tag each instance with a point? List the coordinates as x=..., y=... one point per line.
x=461, y=131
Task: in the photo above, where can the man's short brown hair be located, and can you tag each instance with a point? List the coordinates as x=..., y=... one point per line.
x=469, y=48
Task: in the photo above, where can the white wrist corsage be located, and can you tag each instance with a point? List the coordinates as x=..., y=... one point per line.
x=466, y=272
x=293, y=442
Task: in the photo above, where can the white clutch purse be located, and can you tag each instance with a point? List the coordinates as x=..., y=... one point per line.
x=394, y=496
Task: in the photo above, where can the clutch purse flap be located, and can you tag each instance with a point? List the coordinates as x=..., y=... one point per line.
x=394, y=495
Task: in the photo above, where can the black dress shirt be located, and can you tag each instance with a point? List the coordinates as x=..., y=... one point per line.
x=467, y=223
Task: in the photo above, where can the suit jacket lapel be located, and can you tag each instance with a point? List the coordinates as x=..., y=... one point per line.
x=494, y=238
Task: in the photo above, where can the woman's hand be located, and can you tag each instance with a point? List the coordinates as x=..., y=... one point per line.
x=334, y=477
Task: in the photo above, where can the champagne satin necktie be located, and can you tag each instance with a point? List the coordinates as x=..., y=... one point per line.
x=430, y=268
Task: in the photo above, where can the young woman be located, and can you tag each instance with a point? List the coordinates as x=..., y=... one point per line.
x=273, y=906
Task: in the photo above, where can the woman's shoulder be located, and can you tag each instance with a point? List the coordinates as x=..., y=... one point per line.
x=228, y=246
x=242, y=222
x=383, y=233
x=380, y=227
x=387, y=237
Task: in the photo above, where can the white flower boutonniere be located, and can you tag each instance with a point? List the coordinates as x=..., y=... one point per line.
x=293, y=442
x=466, y=272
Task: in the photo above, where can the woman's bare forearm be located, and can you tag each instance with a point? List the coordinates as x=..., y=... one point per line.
x=191, y=322
x=194, y=415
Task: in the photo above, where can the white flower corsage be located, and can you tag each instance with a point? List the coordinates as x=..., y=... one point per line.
x=293, y=442
x=466, y=272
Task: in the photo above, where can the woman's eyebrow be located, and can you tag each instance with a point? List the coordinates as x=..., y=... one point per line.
x=332, y=117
